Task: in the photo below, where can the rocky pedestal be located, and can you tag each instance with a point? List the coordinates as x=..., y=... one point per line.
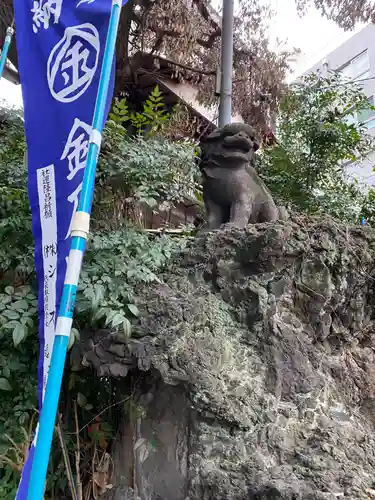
x=258, y=347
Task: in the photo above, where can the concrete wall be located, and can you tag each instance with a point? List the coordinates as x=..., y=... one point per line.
x=364, y=40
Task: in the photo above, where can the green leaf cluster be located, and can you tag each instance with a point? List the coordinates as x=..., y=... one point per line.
x=119, y=261
x=147, y=171
x=152, y=118
x=18, y=312
x=117, y=264
x=317, y=139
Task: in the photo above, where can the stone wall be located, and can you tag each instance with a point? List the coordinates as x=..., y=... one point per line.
x=258, y=353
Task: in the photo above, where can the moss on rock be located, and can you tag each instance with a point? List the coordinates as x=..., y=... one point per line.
x=269, y=331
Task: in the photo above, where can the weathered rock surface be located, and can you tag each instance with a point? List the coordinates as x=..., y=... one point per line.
x=260, y=345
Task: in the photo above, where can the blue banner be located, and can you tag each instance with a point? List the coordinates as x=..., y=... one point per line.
x=60, y=50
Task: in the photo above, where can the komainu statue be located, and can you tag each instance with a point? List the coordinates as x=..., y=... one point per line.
x=233, y=193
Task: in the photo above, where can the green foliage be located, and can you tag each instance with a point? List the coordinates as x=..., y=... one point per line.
x=18, y=312
x=368, y=208
x=147, y=171
x=18, y=384
x=12, y=148
x=152, y=117
x=120, y=112
x=317, y=137
x=16, y=259
x=118, y=262
x=18, y=308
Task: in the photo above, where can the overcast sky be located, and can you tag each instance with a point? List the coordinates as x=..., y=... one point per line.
x=315, y=36
x=312, y=34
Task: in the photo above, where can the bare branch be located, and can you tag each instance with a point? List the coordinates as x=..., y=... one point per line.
x=211, y=39
x=206, y=12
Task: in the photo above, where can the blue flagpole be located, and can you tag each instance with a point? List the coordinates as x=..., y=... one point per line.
x=4, y=52
x=79, y=233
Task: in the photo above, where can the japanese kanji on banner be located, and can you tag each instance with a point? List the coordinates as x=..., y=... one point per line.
x=60, y=50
